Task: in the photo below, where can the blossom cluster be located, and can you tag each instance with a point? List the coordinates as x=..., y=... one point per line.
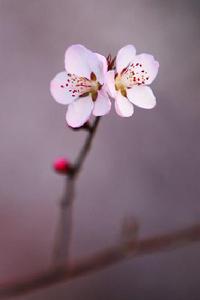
x=87, y=84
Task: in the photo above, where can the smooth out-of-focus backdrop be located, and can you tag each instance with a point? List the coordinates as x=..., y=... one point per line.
x=147, y=166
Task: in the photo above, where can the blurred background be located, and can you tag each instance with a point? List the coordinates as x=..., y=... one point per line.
x=147, y=166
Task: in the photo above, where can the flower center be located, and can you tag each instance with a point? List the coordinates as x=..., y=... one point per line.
x=82, y=86
x=120, y=85
x=134, y=74
x=95, y=86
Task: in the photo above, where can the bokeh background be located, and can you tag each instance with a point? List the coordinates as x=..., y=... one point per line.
x=147, y=166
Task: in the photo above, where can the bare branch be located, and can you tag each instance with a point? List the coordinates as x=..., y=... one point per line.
x=101, y=260
x=64, y=227
x=64, y=230
x=86, y=148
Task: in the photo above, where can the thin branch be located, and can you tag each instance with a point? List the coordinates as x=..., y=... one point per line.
x=101, y=260
x=86, y=148
x=64, y=230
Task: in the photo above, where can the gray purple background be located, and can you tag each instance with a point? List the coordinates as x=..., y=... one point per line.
x=147, y=166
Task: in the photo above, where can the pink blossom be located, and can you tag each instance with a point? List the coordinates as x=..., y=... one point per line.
x=81, y=86
x=130, y=83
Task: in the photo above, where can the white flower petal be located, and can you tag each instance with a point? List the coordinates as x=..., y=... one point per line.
x=104, y=62
x=110, y=83
x=123, y=107
x=82, y=62
x=59, y=90
x=142, y=96
x=102, y=105
x=79, y=111
x=146, y=66
x=124, y=56
x=77, y=61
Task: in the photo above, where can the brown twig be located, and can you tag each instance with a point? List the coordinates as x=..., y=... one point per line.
x=64, y=230
x=86, y=148
x=64, y=227
x=103, y=259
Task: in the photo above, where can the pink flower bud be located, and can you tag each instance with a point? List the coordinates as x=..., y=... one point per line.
x=62, y=166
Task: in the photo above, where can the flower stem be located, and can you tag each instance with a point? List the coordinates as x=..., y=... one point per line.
x=64, y=228
x=87, y=145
